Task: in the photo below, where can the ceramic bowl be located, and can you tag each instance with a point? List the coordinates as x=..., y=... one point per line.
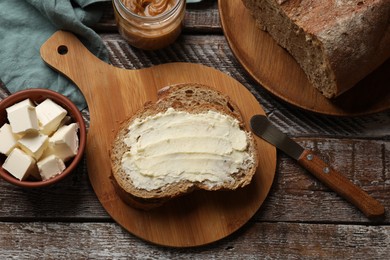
x=37, y=96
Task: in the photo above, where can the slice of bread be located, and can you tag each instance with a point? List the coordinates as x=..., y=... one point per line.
x=193, y=99
x=336, y=43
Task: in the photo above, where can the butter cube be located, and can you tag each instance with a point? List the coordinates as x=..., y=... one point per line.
x=34, y=144
x=65, y=143
x=8, y=140
x=20, y=165
x=49, y=116
x=50, y=166
x=22, y=117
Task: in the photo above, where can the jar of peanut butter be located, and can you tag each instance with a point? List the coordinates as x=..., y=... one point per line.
x=149, y=24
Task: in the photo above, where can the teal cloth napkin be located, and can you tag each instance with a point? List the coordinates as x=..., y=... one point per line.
x=26, y=24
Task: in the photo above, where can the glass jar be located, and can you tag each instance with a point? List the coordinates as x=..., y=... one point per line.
x=149, y=32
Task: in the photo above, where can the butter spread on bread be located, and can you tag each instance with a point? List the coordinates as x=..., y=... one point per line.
x=172, y=146
x=192, y=138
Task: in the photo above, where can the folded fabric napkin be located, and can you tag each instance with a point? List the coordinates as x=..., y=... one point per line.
x=26, y=24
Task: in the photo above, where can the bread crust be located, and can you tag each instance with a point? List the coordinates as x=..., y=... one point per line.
x=192, y=98
x=337, y=43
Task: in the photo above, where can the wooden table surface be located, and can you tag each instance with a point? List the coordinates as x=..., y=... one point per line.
x=300, y=219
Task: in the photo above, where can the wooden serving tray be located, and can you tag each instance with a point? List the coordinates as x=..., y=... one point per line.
x=277, y=71
x=114, y=94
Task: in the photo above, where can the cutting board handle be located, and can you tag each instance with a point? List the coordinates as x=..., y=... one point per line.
x=64, y=52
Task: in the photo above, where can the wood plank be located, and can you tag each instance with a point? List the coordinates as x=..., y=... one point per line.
x=300, y=123
x=294, y=197
x=256, y=241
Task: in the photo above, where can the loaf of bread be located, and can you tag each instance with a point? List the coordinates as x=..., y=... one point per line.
x=193, y=137
x=336, y=43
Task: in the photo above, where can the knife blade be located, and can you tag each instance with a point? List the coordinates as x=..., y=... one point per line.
x=370, y=207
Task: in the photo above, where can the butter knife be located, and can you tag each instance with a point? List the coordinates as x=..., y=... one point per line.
x=370, y=207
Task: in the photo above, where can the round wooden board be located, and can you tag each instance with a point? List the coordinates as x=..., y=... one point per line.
x=113, y=95
x=273, y=68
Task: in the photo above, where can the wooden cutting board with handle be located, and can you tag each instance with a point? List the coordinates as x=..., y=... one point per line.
x=114, y=94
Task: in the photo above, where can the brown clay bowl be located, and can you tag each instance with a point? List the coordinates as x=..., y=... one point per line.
x=37, y=96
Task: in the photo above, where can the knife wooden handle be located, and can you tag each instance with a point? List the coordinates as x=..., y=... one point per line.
x=341, y=185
